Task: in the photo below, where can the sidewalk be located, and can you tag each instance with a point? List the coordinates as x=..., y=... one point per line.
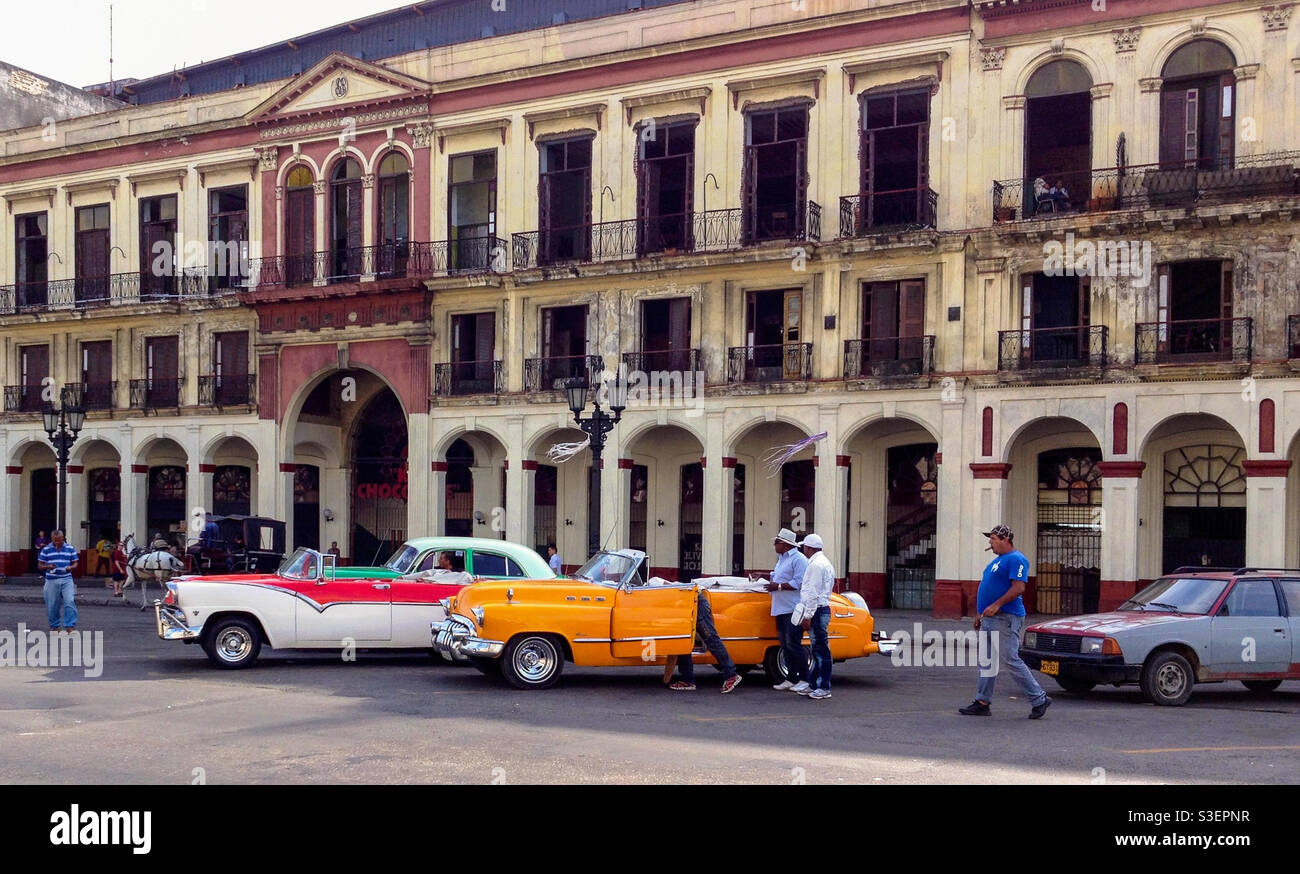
x=28, y=589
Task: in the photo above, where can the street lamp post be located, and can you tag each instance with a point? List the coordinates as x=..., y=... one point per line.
x=62, y=424
x=596, y=427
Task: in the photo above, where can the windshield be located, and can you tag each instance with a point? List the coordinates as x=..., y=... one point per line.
x=606, y=568
x=403, y=559
x=1180, y=595
x=304, y=564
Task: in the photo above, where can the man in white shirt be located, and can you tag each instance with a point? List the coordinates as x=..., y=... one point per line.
x=787, y=576
x=815, y=597
x=554, y=558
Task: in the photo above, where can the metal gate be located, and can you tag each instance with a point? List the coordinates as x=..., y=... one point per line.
x=1069, y=558
x=911, y=535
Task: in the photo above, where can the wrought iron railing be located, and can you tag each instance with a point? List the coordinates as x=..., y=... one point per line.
x=781, y=362
x=551, y=374
x=1081, y=346
x=226, y=390
x=92, y=395
x=769, y=222
x=1195, y=340
x=89, y=292
x=23, y=399
x=1148, y=186
x=457, y=378
x=882, y=357
x=595, y=241
x=663, y=361
x=153, y=394
x=904, y=209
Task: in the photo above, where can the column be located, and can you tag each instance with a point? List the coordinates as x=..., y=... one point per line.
x=1266, y=529
x=78, y=533
x=1121, y=487
x=619, y=489
x=832, y=494
x=417, y=476
x=988, y=509
x=486, y=489
x=284, y=500
x=521, y=495
x=1013, y=138
x=1146, y=149
x=199, y=492
x=950, y=521
x=1103, y=141
x=135, y=495
x=12, y=538
x=438, y=492
x=719, y=497
x=1247, y=108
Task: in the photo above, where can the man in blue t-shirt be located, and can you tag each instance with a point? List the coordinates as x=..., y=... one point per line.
x=1000, y=611
x=57, y=559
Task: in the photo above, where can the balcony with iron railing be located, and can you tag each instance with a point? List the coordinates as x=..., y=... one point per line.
x=884, y=211
x=460, y=378
x=156, y=394
x=663, y=361
x=90, y=292
x=1052, y=348
x=24, y=399
x=886, y=357
x=1193, y=341
x=92, y=396
x=715, y=230
x=552, y=374
x=385, y=261
x=781, y=362
x=1149, y=186
x=227, y=390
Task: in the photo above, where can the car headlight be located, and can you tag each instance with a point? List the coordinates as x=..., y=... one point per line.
x=1092, y=645
x=1031, y=639
x=478, y=615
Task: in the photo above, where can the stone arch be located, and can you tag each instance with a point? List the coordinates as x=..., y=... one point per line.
x=1146, y=436
x=1217, y=32
x=293, y=409
x=146, y=447
x=865, y=425
x=282, y=175
x=1091, y=66
x=378, y=155
x=79, y=449
x=208, y=450
x=331, y=160
x=439, y=449
x=1009, y=440
x=634, y=432
x=737, y=436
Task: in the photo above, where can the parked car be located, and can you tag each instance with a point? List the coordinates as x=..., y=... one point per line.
x=606, y=615
x=1195, y=625
x=478, y=556
x=305, y=604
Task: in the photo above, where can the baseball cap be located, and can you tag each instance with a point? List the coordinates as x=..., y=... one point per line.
x=1001, y=531
x=785, y=535
x=812, y=541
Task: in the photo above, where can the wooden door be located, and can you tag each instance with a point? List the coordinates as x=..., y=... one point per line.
x=161, y=370
x=792, y=357
x=911, y=320
x=300, y=235
x=97, y=374
x=1179, y=125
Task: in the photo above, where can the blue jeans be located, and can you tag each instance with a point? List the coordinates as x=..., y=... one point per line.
x=796, y=655
x=820, y=675
x=1008, y=627
x=709, y=634
x=60, y=597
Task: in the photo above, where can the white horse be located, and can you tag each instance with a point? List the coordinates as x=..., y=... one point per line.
x=156, y=565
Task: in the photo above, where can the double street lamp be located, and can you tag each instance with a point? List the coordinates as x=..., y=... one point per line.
x=62, y=424
x=599, y=424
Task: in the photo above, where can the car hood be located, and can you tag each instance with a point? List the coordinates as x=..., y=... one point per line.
x=240, y=579
x=1107, y=624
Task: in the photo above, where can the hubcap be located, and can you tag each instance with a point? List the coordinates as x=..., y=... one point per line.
x=782, y=666
x=535, y=660
x=234, y=644
x=1171, y=680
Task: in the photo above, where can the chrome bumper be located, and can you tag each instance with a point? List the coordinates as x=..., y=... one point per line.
x=171, y=623
x=454, y=639
x=881, y=644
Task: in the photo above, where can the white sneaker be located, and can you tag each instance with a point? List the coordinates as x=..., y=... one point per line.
x=801, y=687
x=820, y=694
x=783, y=685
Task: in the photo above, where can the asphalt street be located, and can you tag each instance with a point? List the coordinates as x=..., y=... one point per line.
x=159, y=713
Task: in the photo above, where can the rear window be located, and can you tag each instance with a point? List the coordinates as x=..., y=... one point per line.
x=1251, y=598
x=489, y=564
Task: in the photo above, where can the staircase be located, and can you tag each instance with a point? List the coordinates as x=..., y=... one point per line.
x=910, y=558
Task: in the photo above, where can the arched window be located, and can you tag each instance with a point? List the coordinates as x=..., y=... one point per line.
x=394, y=214
x=1058, y=138
x=1197, y=106
x=345, y=219
x=299, y=226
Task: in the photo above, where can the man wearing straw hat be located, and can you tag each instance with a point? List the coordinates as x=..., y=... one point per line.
x=787, y=575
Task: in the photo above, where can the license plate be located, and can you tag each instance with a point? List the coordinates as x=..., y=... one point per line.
x=1050, y=668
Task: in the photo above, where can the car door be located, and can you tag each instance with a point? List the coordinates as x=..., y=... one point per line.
x=331, y=611
x=415, y=606
x=662, y=614
x=1248, y=634
x=1291, y=595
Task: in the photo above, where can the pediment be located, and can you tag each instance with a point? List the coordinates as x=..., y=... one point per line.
x=338, y=83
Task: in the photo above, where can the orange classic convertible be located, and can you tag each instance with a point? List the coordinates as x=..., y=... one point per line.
x=606, y=615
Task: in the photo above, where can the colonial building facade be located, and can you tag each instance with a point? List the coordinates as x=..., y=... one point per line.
x=1032, y=263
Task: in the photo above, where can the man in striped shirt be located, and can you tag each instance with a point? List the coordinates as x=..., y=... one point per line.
x=57, y=559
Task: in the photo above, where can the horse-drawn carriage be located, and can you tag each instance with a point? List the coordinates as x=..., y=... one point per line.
x=238, y=544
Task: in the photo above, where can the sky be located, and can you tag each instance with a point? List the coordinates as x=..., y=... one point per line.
x=67, y=40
